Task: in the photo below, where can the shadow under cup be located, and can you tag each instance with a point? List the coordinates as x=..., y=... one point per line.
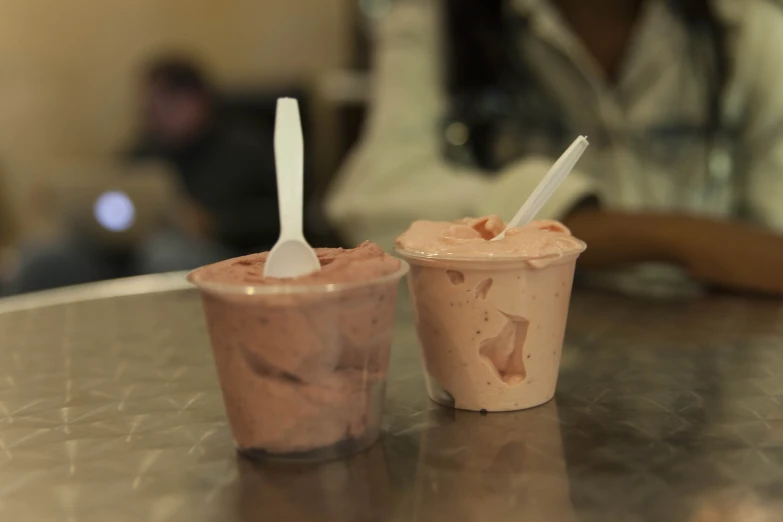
x=491, y=329
x=302, y=368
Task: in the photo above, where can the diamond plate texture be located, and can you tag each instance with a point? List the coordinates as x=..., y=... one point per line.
x=665, y=411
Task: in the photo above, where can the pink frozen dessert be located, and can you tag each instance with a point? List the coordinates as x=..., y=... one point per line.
x=490, y=315
x=302, y=362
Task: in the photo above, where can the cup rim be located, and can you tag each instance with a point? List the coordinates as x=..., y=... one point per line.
x=413, y=256
x=289, y=289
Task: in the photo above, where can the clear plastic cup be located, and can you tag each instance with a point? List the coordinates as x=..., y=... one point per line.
x=491, y=329
x=302, y=368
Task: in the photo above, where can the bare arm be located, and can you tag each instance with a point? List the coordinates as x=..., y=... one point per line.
x=725, y=254
x=615, y=238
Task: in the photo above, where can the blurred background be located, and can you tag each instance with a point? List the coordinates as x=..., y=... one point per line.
x=70, y=79
x=136, y=137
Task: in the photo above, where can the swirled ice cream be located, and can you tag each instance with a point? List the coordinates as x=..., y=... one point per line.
x=472, y=237
x=302, y=362
x=338, y=266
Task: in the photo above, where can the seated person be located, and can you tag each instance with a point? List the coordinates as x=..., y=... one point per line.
x=229, y=194
x=682, y=102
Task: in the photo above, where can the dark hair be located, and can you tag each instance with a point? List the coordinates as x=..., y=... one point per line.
x=480, y=56
x=476, y=56
x=178, y=74
x=701, y=18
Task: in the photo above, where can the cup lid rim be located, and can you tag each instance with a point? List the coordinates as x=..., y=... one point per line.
x=293, y=289
x=414, y=256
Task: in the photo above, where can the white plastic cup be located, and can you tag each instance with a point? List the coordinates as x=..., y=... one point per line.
x=491, y=330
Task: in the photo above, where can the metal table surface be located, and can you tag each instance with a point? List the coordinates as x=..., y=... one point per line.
x=665, y=411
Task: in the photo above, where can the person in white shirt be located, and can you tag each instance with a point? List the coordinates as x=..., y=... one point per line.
x=682, y=101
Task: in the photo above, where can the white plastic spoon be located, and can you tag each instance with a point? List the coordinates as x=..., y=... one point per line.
x=291, y=256
x=557, y=173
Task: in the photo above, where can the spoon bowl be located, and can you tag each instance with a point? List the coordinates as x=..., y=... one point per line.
x=291, y=258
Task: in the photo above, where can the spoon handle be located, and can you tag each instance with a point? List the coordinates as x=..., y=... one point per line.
x=289, y=166
x=535, y=202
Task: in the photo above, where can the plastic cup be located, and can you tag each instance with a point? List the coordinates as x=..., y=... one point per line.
x=302, y=368
x=491, y=329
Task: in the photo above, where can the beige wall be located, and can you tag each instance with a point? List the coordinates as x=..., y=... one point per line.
x=67, y=68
